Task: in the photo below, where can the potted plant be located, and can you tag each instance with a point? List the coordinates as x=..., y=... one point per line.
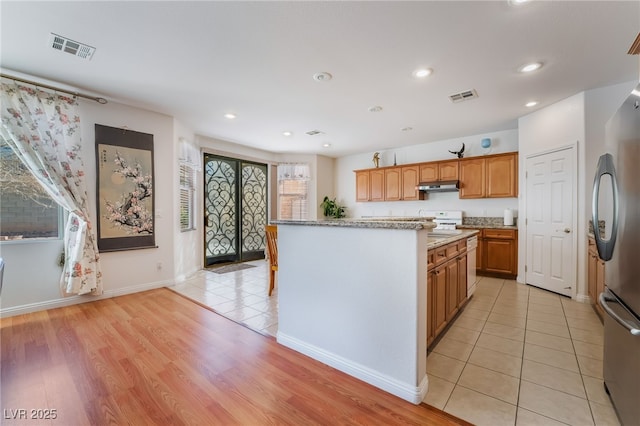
x=332, y=209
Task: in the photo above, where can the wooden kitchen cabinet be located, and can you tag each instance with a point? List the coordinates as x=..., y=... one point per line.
x=392, y=184
x=439, y=171
x=376, y=185
x=446, y=286
x=410, y=179
x=595, y=276
x=448, y=170
x=473, y=174
x=502, y=176
x=494, y=176
x=362, y=185
x=500, y=252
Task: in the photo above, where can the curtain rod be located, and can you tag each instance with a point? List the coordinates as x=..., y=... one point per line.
x=81, y=95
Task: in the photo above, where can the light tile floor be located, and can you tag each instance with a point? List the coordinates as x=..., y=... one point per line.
x=519, y=355
x=242, y=296
x=516, y=355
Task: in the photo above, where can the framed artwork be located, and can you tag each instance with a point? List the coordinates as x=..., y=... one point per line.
x=125, y=193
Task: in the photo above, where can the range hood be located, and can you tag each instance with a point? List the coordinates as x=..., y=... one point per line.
x=439, y=186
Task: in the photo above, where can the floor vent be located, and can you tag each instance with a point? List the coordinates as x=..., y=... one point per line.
x=464, y=96
x=75, y=48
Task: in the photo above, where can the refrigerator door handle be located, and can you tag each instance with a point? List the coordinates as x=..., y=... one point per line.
x=605, y=167
x=605, y=299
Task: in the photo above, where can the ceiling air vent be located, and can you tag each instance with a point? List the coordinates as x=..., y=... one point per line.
x=75, y=48
x=464, y=96
x=313, y=132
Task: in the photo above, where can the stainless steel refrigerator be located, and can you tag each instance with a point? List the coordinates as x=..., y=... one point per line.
x=616, y=199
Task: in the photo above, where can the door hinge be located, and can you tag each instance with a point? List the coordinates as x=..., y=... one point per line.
x=525, y=268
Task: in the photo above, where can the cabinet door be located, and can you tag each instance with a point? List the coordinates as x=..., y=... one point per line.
x=472, y=178
x=440, y=299
x=502, y=177
x=392, y=184
x=410, y=176
x=431, y=306
x=499, y=257
x=376, y=185
x=448, y=170
x=362, y=186
x=462, y=280
x=428, y=172
x=452, y=288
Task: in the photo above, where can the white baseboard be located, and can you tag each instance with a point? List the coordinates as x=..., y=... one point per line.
x=406, y=391
x=75, y=300
x=583, y=298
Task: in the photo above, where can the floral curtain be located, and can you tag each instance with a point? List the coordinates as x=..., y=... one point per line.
x=43, y=128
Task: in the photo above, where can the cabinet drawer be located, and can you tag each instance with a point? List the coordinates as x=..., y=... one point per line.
x=506, y=234
x=462, y=246
x=452, y=250
x=440, y=255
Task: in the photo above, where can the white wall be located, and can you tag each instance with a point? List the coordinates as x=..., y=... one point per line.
x=503, y=141
x=31, y=277
x=578, y=120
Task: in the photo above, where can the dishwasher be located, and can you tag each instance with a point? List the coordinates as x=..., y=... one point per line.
x=472, y=278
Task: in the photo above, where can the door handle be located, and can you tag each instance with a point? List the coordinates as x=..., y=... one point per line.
x=605, y=167
x=567, y=230
x=604, y=302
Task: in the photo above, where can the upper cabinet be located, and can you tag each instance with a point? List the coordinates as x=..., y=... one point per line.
x=494, y=176
x=491, y=176
x=439, y=170
x=502, y=176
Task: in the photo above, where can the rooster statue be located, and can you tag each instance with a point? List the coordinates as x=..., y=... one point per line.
x=460, y=153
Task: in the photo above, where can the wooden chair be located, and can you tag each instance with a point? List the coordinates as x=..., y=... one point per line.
x=271, y=232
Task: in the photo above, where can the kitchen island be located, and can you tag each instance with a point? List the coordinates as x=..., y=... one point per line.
x=352, y=294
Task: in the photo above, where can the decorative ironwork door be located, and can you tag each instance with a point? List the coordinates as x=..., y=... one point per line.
x=235, y=208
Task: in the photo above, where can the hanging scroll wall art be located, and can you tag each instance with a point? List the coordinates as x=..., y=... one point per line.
x=124, y=189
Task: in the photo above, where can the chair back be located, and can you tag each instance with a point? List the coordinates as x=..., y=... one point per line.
x=271, y=232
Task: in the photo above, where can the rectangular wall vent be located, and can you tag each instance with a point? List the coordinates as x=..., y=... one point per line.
x=75, y=48
x=313, y=132
x=464, y=96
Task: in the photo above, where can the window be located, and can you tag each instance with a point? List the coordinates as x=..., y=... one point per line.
x=187, y=197
x=293, y=183
x=26, y=210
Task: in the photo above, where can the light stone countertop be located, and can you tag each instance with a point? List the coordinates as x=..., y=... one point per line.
x=380, y=223
x=443, y=239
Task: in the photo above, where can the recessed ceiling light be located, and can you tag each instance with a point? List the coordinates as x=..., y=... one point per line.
x=287, y=133
x=375, y=108
x=518, y=2
x=422, y=72
x=326, y=145
x=229, y=116
x=407, y=129
x=531, y=104
x=322, y=76
x=530, y=67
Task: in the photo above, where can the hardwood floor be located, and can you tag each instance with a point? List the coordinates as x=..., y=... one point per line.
x=158, y=358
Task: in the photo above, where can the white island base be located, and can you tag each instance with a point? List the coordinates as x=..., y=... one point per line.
x=354, y=297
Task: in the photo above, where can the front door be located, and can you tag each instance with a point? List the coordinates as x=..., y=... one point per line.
x=235, y=209
x=550, y=259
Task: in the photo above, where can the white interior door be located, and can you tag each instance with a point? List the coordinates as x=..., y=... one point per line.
x=550, y=220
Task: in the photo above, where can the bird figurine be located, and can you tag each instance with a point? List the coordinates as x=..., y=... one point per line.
x=460, y=153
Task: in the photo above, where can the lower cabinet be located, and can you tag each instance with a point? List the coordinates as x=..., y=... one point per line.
x=497, y=252
x=446, y=286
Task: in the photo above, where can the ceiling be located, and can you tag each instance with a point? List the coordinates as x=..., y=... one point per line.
x=196, y=61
